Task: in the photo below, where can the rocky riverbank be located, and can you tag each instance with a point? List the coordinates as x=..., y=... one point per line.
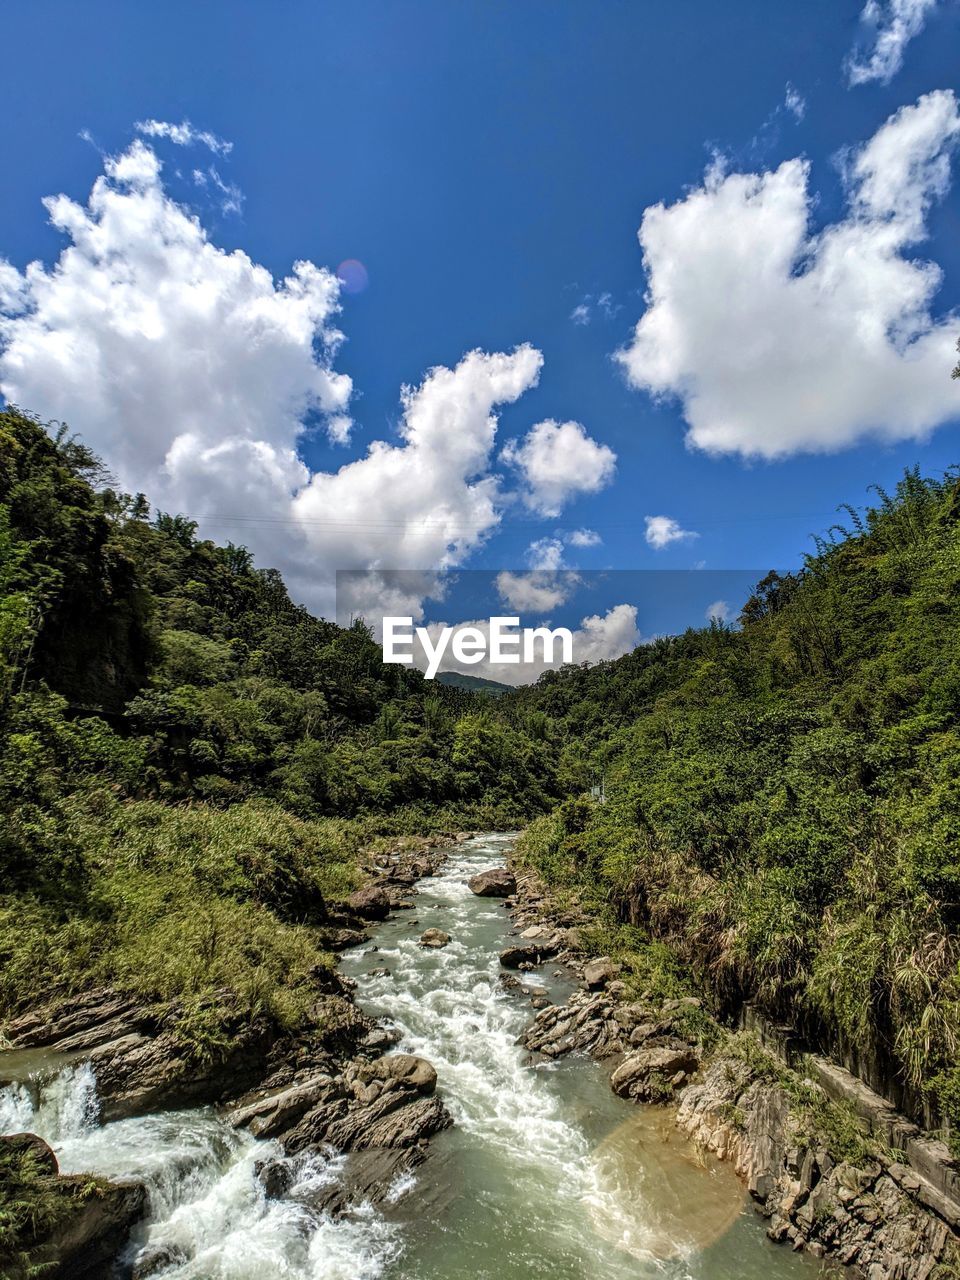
x=332, y=1082
x=811, y=1166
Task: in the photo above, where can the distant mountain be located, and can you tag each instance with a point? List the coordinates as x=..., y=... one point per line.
x=477, y=683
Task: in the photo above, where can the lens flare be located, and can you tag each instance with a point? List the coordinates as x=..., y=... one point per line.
x=353, y=275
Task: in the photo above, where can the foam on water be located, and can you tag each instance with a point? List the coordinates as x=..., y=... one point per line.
x=207, y=1209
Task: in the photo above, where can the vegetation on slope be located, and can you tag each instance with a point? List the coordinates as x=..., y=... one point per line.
x=190, y=764
x=783, y=799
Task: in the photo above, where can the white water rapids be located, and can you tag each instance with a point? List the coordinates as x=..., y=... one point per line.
x=545, y=1174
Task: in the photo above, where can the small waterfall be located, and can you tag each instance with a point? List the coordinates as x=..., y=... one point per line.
x=208, y=1217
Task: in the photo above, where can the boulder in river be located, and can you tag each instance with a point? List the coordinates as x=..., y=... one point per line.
x=515, y=957
x=647, y=1075
x=370, y=903
x=498, y=882
x=413, y=1072
x=434, y=938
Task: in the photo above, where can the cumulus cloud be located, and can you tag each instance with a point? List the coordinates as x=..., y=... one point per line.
x=196, y=374
x=662, y=530
x=599, y=638
x=777, y=339
x=557, y=461
x=894, y=25
x=536, y=592
x=431, y=499
x=184, y=135
x=719, y=611
x=584, y=538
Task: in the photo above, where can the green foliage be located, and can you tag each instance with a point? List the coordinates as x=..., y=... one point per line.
x=783, y=798
x=33, y=1203
x=190, y=764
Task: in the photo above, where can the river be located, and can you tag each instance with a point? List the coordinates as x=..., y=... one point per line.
x=546, y=1173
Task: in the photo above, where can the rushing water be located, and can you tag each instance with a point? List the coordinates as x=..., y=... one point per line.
x=545, y=1174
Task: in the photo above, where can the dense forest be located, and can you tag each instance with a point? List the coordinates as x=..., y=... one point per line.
x=189, y=761
x=783, y=798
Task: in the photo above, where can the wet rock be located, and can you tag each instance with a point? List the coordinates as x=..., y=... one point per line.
x=275, y=1176
x=381, y=972
x=94, y=1017
x=434, y=938
x=341, y=939
x=496, y=883
x=85, y=1242
x=370, y=903
x=380, y=1039
x=157, y=1258
x=584, y=1024
x=411, y=1071
x=517, y=957
x=276, y=1113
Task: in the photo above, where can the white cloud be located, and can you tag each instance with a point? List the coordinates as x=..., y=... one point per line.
x=589, y=305
x=894, y=23
x=777, y=339
x=662, y=530
x=184, y=135
x=599, y=638
x=430, y=500
x=719, y=611
x=231, y=197
x=536, y=592
x=584, y=538
x=195, y=374
x=795, y=103
x=557, y=461
x=546, y=554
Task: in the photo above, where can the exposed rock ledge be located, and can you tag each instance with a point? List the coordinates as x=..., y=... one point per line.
x=868, y=1215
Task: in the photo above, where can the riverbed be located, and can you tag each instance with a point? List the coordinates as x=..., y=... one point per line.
x=546, y=1173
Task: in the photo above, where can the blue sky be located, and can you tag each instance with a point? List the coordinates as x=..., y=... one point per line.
x=490, y=165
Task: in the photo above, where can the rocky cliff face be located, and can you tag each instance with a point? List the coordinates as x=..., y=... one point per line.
x=867, y=1214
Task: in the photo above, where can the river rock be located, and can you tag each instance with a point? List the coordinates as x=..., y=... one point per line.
x=274, y=1114
x=498, y=882
x=516, y=957
x=22, y=1144
x=157, y=1258
x=84, y=1242
x=434, y=938
x=597, y=973
x=370, y=903
x=411, y=1071
x=585, y=1024
x=644, y=1076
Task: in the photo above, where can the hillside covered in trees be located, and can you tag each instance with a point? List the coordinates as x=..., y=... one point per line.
x=783, y=798
x=188, y=760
